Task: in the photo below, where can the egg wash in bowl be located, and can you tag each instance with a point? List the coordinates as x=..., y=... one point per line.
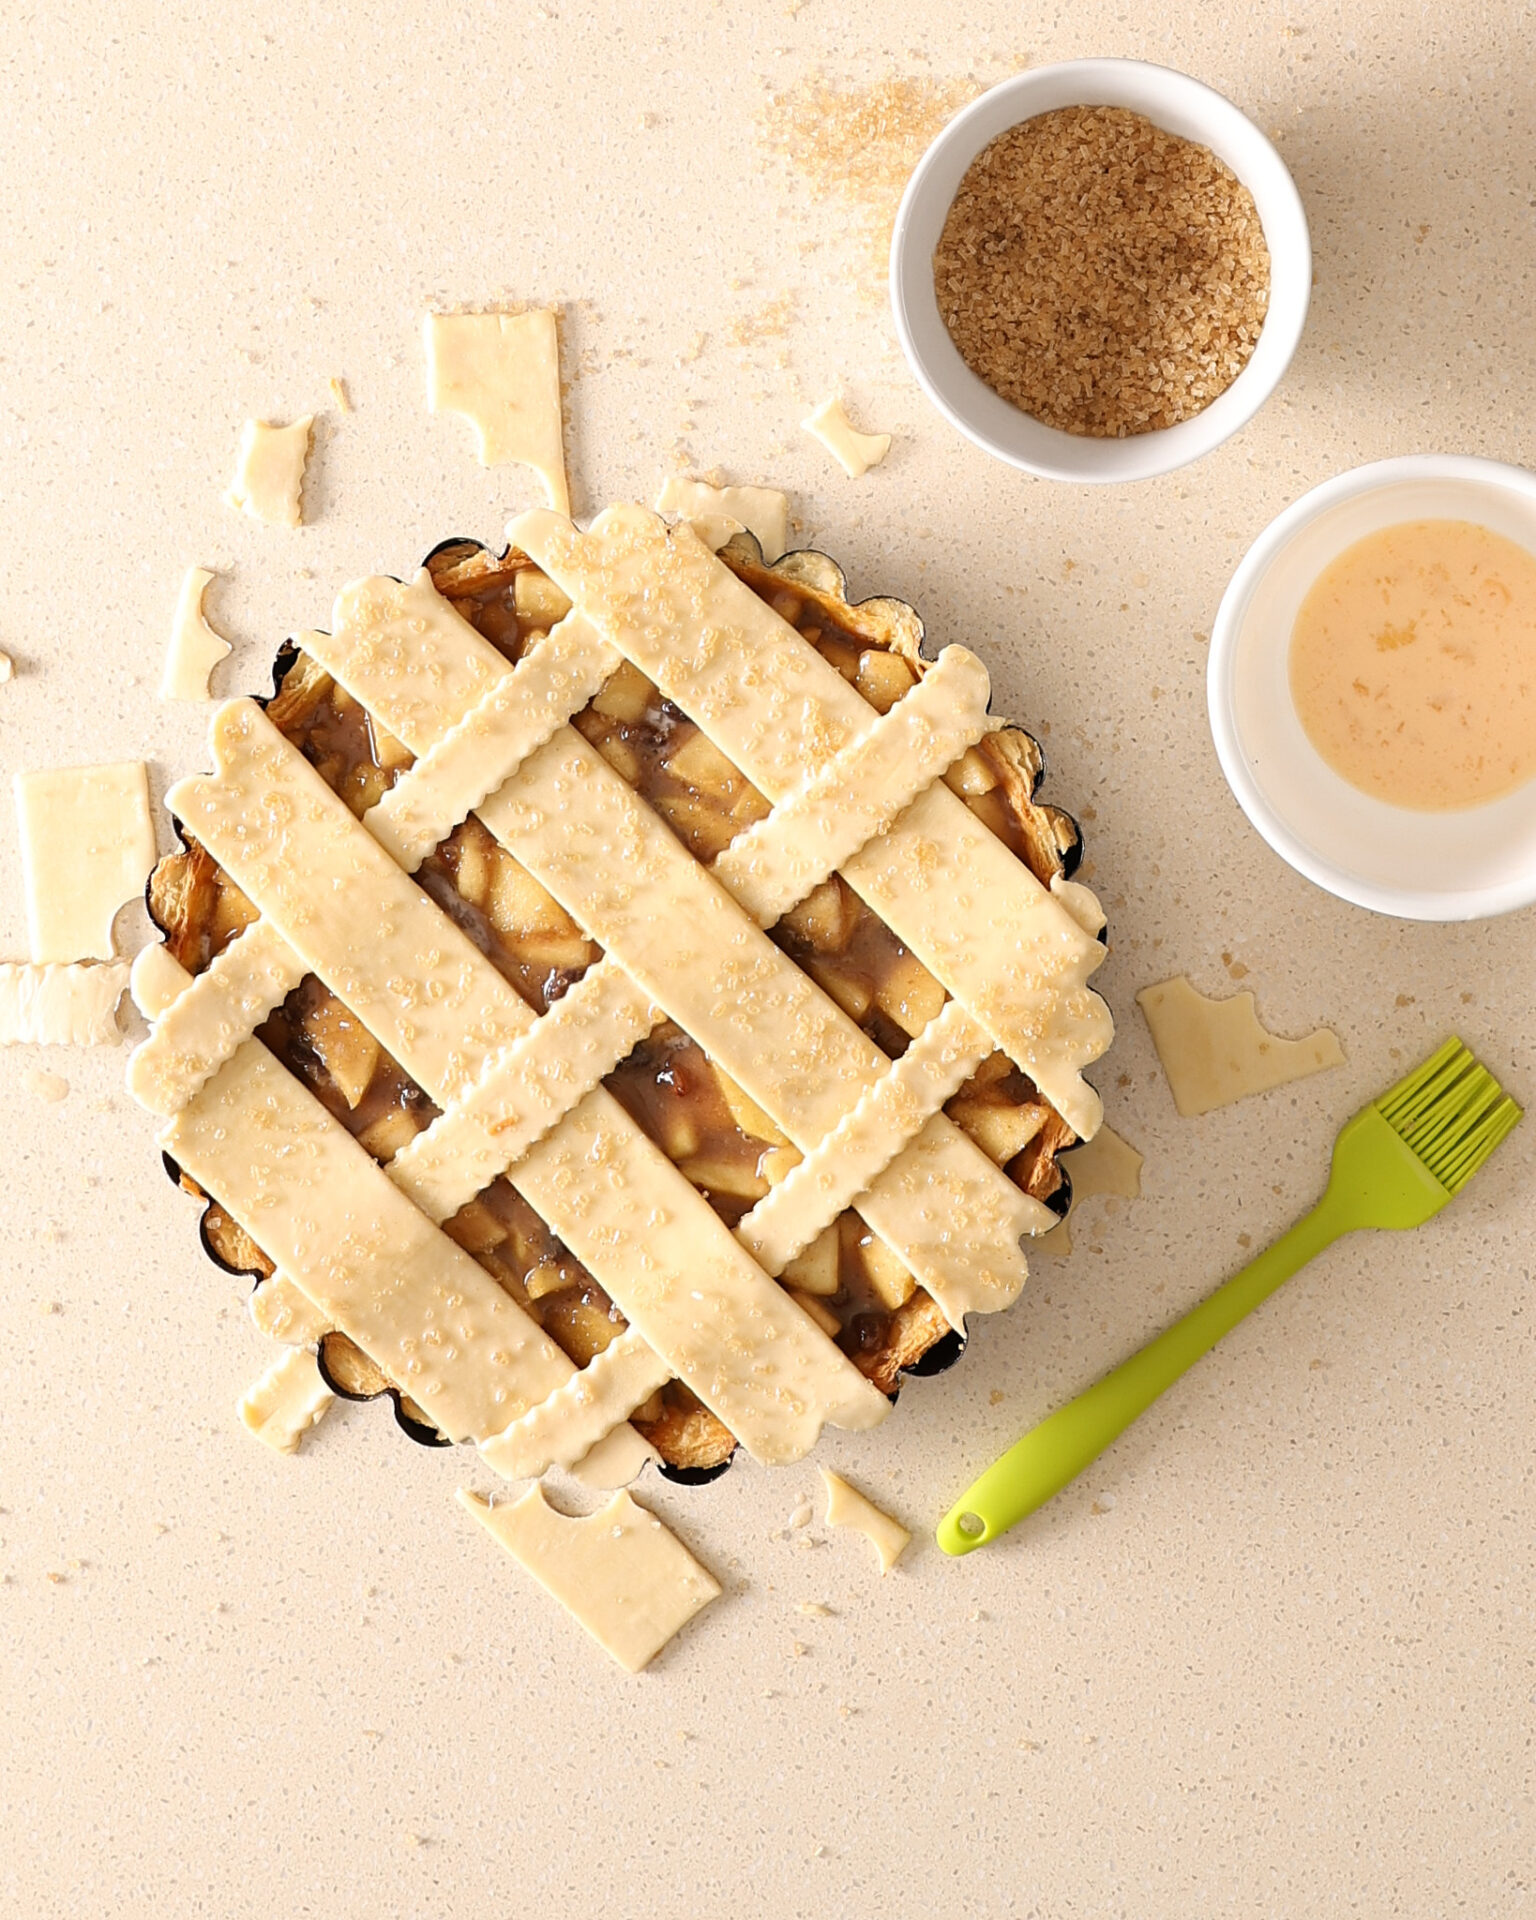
x=1413, y=664
x=1372, y=686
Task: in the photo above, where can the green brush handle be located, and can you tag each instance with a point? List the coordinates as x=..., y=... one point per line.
x=1396, y=1164
x=1056, y=1451
x=1377, y=1180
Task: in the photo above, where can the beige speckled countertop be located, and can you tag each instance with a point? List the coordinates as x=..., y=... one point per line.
x=1274, y=1654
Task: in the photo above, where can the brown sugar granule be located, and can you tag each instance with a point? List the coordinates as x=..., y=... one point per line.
x=858, y=143
x=1105, y=276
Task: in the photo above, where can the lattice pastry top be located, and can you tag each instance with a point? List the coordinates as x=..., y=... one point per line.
x=846, y=802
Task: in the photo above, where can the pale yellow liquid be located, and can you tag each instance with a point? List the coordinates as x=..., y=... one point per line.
x=1413, y=665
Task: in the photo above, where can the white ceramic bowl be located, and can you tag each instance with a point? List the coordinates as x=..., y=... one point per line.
x=1460, y=865
x=1179, y=105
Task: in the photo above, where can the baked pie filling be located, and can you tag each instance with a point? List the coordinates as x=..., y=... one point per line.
x=848, y=1280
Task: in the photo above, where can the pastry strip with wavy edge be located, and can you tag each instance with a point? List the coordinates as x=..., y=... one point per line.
x=866, y=1140
x=211, y=1016
x=854, y=797
x=525, y=1091
x=575, y=1417
x=555, y=678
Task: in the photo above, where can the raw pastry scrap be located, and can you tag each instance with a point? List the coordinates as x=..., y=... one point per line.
x=715, y=513
x=848, y=1508
x=1216, y=1051
x=7, y=668
x=619, y=1572
x=1106, y=1164
x=87, y=847
x=61, y=1006
x=1080, y=902
x=269, y=472
x=195, y=649
x=502, y=372
x=288, y=1399
x=853, y=451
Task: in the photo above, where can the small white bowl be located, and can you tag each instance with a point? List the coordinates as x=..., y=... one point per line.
x=1458, y=865
x=1177, y=104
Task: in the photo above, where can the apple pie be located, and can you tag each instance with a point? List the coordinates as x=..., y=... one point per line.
x=618, y=996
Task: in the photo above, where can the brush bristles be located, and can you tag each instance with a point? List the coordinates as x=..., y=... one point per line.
x=1452, y=1112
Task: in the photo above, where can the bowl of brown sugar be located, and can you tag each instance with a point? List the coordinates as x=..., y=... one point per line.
x=1100, y=270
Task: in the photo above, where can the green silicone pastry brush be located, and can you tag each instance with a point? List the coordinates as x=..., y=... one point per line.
x=1396, y=1164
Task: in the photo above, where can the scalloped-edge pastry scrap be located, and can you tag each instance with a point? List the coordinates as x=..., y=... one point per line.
x=61, y=1006
x=1217, y=1051
x=853, y=451
x=87, y=847
x=847, y=1507
x=718, y=513
x=619, y=1572
x=269, y=472
x=1105, y=1165
x=501, y=371
x=194, y=649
